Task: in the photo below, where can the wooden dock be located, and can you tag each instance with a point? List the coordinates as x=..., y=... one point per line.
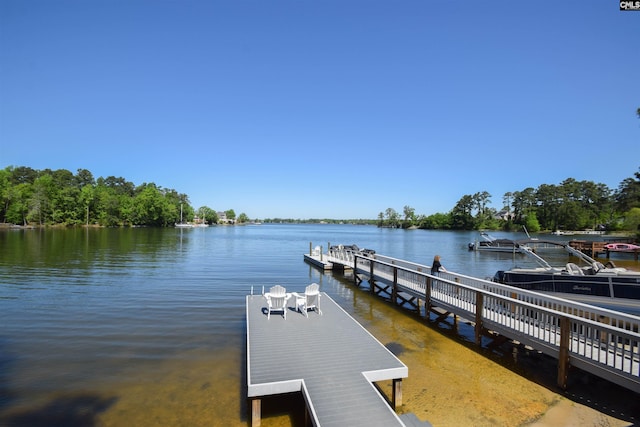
x=593, y=248
x=603, y=342
x=330, y=358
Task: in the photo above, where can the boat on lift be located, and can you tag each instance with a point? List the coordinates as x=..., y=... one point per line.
x=492, y=244
x=594, y=283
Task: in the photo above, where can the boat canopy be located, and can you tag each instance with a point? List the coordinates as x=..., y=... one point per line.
x=524, y=244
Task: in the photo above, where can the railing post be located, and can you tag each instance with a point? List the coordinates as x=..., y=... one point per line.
x=371, y=281
x=478, y=327
x=310, y=248
x=563, y=356
x=427, y=297
x=394, y=291
x=355, y=271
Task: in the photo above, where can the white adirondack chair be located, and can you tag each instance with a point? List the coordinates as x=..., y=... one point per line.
x=311, y=300
x=277, y=298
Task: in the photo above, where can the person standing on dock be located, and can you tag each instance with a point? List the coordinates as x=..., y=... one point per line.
x=436, y=267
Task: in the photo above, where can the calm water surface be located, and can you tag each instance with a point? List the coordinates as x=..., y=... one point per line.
x=146, y=326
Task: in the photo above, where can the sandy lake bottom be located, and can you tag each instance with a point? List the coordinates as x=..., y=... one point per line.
x=450, y=384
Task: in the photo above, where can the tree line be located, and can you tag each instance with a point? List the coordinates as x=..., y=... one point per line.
x=570, y=205
x=52, y=197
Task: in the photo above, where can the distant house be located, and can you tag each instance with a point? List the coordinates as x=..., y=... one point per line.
x=222, y=218
x=505, y=215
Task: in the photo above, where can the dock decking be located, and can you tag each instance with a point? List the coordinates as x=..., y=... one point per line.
x=330, y=358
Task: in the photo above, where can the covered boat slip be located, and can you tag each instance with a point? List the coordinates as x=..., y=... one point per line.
x=329, y=357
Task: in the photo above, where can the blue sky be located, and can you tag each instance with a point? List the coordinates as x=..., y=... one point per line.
x=326, y=108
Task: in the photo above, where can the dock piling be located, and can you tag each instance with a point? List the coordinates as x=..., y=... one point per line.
x=397, y=393
x=256, y=416
x=563, y=356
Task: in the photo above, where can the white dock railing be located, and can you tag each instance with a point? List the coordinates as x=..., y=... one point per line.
x=603, y=342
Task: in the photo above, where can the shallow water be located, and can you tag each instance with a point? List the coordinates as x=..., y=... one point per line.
x=118, y=327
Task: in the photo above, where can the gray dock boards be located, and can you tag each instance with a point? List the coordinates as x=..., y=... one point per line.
x=331, y=358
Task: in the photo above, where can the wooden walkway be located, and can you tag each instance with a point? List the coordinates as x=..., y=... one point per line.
x=603, y=342
x=330, y=358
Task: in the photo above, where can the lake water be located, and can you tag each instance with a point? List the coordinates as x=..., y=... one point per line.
x=142, y=326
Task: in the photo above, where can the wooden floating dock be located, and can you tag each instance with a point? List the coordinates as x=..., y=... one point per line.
x=317, y=258
x=319, y=261
x=591, y=248
x=330, y=358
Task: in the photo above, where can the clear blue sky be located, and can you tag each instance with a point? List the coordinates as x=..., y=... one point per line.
x=326, y=108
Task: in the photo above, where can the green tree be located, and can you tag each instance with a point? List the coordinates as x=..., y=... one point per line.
x=113, y=201
x=392, y=218
x=596, y=201
x=437, y=221
x=119, y=185
x=531, y=222
x=483, y=215
x=18, y=197
x=87, y=194
x=62, y=178
x=243, y=218
x=632, y=221
x=506, y=211
x=231, y=215
x=506, y=201
x=628, y=194
x=23, y=175
x=40, y=202
x=548, y=203
x=65, y=207
x=209, y=215
x=523, y=202
x=5, y=193
x=60, y=197
x=409, y=216
x=107, y=205
x=572, y=216
x=84, y=178
x=462, y=214
x=151, y=207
